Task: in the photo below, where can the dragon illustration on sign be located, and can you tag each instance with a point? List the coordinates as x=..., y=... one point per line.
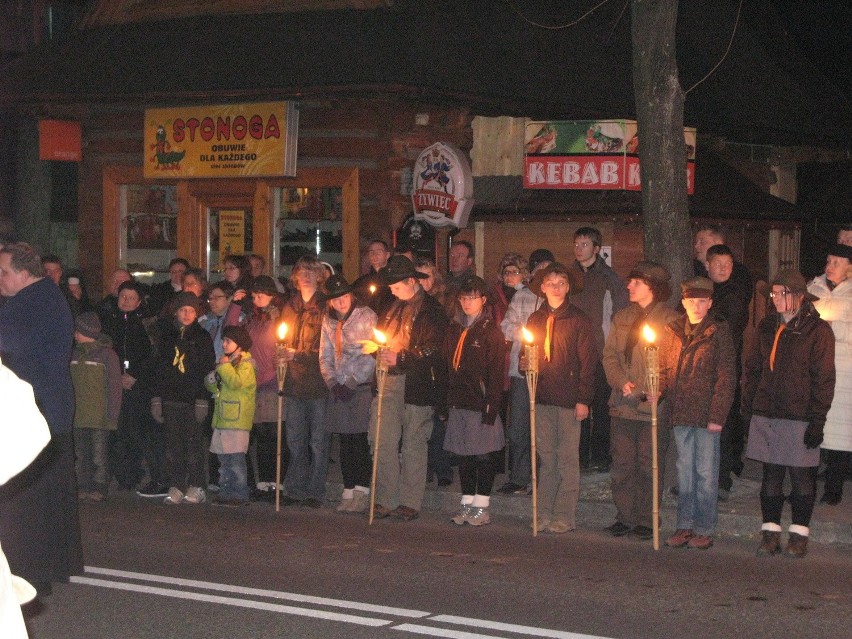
x=165, y=157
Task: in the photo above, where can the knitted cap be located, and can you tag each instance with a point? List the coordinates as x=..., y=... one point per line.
x=238, y=335
x=88, y=324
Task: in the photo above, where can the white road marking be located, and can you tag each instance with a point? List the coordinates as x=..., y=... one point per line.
x=510, y=627
x=309, y=612
x=257, y=592
x=232, y=601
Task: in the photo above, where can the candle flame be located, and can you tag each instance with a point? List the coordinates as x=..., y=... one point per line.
x=528, y=337
x=282, y=331
x=649, y=334
x=380, y=337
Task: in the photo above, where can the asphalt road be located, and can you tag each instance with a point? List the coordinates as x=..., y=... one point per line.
x=185, y=572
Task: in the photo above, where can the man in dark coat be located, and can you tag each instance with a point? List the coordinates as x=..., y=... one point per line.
x=39, y=523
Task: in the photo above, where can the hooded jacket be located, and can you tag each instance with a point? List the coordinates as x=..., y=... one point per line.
x=233, y=386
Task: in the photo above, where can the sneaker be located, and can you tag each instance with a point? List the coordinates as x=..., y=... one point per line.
x=195, y=495
x=478, y=516
x=152, y=489
x=700, y=542
x=360, y=502
x=542, y=523
x=463, y=516
x=174, y=496
x=559, y=527
x=680, y=538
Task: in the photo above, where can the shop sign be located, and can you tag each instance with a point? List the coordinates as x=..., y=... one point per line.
x=443, y=186
x=590, y=154
x=60, y=140
x=229, y=140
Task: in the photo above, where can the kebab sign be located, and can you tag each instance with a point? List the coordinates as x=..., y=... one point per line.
x=443, y=186
x=590, y=154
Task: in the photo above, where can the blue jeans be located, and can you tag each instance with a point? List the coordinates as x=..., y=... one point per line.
x=307, y=442
x=519, y=432
x=233, y=477
x=697, y=478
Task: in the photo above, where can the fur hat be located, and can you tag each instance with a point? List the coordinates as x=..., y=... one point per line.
x=696, y=287
x=841, y=250
x=575, y=280
x=238, y=335
x=400, y=268
x=88, y=324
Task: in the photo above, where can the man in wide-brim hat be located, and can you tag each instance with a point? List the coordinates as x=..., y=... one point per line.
x=415, y=388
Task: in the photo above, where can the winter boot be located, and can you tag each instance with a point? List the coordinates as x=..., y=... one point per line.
x=770, y=543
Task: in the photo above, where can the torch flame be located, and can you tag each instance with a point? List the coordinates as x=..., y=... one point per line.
x=528, y=337
x=380, y=337
x=372, y=288
x=649, y=334
x=282, y=331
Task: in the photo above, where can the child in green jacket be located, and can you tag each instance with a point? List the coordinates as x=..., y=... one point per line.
x=233, y=386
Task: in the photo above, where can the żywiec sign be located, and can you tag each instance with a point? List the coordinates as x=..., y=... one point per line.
x=590, y=154
x=443, y=186
x=229, y=140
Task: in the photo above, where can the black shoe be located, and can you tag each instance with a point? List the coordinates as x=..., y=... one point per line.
x=642, y=532
x=310, y=502
x=267, y=495
x=510, y=488
x=153, y=490
x=832, y=499
x=618, y=529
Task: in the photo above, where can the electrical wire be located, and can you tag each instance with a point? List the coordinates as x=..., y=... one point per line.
x=558, y=26
x=724, y=55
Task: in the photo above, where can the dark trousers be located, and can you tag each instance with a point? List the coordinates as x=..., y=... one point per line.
x=184, y=446
x=731, y=445
x=802, y=496
x=594, y=430
x=39, y=523
x=355, y=460
x=836, y=464
x=126, y=449
x=264, y=442
x=438, y=459
x=476, y=473
x=631, y=472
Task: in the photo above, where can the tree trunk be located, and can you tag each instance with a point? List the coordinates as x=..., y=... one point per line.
x=662, y=151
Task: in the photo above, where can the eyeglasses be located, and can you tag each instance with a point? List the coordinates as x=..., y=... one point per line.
x=511, y=271
x=469, y=298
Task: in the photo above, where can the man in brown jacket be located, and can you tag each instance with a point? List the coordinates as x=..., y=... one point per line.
x=698, y=376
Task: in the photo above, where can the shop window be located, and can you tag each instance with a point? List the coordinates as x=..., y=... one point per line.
x=148, y=231
x=308, y=221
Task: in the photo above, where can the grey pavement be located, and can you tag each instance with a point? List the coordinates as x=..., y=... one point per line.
x=738, y=517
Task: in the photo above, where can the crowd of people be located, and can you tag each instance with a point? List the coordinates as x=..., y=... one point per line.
x=178, y=387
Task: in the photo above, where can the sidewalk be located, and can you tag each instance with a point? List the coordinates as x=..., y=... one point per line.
x=738, y=517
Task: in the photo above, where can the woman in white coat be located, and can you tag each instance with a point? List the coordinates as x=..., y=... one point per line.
x=834, y=289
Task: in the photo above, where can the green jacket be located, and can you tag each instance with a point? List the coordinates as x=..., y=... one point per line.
x=233, y=388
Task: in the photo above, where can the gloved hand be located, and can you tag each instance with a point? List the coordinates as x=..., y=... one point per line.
x=813, y=435
x=157, y=409
x=342, y=393
x=202, y=407
x=489, y=416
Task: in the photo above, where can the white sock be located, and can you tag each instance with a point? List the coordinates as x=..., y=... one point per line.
x=467, y=500
x=799, y=530
x=348, y=493
x=771, y=526
x=363, y=489
x=481, y=501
